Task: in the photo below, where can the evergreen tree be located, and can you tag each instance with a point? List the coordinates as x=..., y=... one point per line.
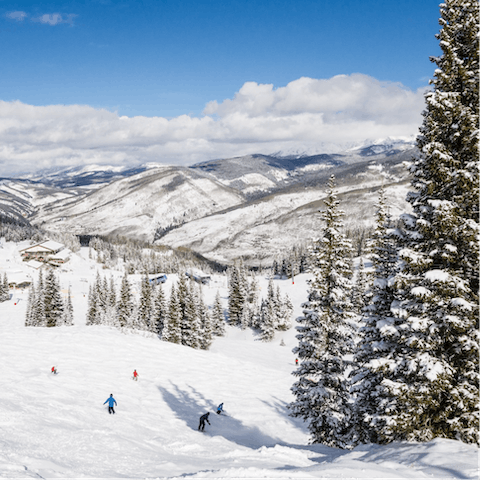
x=236, y=295
x=268, y=320
x=53, y=303
x=171, y=330
x=218, y=318
x=125, y=304
x=30, y=313
x=68, y=311
x=435, y=379
x=92, y=307
x=190, y=324
x=285, y=310
x=325, y=336
x=359, y=290
x=378, y=335
x=159, y=313
x=146, y=303
x=4, y=295
x=206, y=326
x=38, y=310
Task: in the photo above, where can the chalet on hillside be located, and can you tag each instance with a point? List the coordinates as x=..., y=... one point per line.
x=51, y=252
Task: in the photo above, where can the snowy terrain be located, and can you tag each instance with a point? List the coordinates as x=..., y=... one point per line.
x=57, y=426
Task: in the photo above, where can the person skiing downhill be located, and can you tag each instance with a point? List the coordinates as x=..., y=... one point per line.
x=135, y=375
x=54, y=370
x=220, y=408
x=111, y=401
x=203, y=419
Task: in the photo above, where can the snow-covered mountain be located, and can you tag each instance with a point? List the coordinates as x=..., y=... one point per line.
x=254, y=206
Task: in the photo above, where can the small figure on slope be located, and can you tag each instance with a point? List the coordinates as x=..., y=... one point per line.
x=135, y=375
x=54, y=370
x=203, y=419
x=220, y=408
x=111, y=402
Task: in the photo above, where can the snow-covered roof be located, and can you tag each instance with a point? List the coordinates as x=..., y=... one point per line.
x=44, y=247
x=35, y=264
x=18, y=277
x=62, y=255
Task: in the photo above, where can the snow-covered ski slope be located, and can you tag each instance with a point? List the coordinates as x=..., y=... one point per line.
x=58, y=427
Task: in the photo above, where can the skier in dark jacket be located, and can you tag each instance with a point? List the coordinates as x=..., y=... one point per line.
x=111, y=401
x=203, y=419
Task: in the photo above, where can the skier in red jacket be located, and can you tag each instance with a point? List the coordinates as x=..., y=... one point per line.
x=135, y=375
x=54, y=370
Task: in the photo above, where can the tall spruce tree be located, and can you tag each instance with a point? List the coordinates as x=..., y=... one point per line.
x=145, y=307
x=436, y=381
x=378, y=335
x=159, y=313
x=125, y=305
x=325, y=336
x=171, y=330
x=218, y=317
x=53, y=302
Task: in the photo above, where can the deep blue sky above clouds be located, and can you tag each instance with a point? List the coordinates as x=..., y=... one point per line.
x=165, y=59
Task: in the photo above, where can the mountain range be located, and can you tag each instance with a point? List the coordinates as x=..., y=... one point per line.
x=255, y=206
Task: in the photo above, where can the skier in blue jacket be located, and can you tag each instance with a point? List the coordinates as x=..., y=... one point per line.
x=220, y=408
x=111, y=401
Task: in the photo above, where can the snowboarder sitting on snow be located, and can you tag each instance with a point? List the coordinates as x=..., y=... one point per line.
x=203, y=419
x=135, y=375
x=111, y=401
x=220, y=408
x=54, y=370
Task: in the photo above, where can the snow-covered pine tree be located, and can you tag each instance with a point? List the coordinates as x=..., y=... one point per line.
x=268, y=321
x=378, y=335
x=30, y=313
x=145, y=306
x=236, y=295
x=325, y=336
x=53, y=302
x=285, y=310
x=359, y=289
x=38, y=310
x=125, y=304
x=190, y=324
x=171, y=330
x=92, y=309
x=159, y=313
x=4, y=295
x=218, y=318
x=436, y=379
x=205, y=324
x=68, y=311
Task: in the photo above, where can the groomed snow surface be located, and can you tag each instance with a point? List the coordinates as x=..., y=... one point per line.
x=56, y=426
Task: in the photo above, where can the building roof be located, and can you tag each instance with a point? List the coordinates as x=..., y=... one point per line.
x=35, y=264
x=44, y=247
x=62, y=255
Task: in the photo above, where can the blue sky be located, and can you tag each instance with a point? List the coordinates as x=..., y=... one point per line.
x=166, y=59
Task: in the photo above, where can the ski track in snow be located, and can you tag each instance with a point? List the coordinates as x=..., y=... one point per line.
x=56, y=426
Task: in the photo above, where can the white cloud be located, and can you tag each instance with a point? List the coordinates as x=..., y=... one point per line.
x=307, y=114
x=55, y=18
x=19, y=16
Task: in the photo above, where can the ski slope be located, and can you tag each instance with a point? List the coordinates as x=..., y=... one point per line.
x=57, y=426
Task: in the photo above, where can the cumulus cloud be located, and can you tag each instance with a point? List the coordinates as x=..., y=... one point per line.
x=55, y=18
x=18, y=16
x=305, y=115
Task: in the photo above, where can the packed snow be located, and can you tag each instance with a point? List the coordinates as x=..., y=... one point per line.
x=57, y=426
